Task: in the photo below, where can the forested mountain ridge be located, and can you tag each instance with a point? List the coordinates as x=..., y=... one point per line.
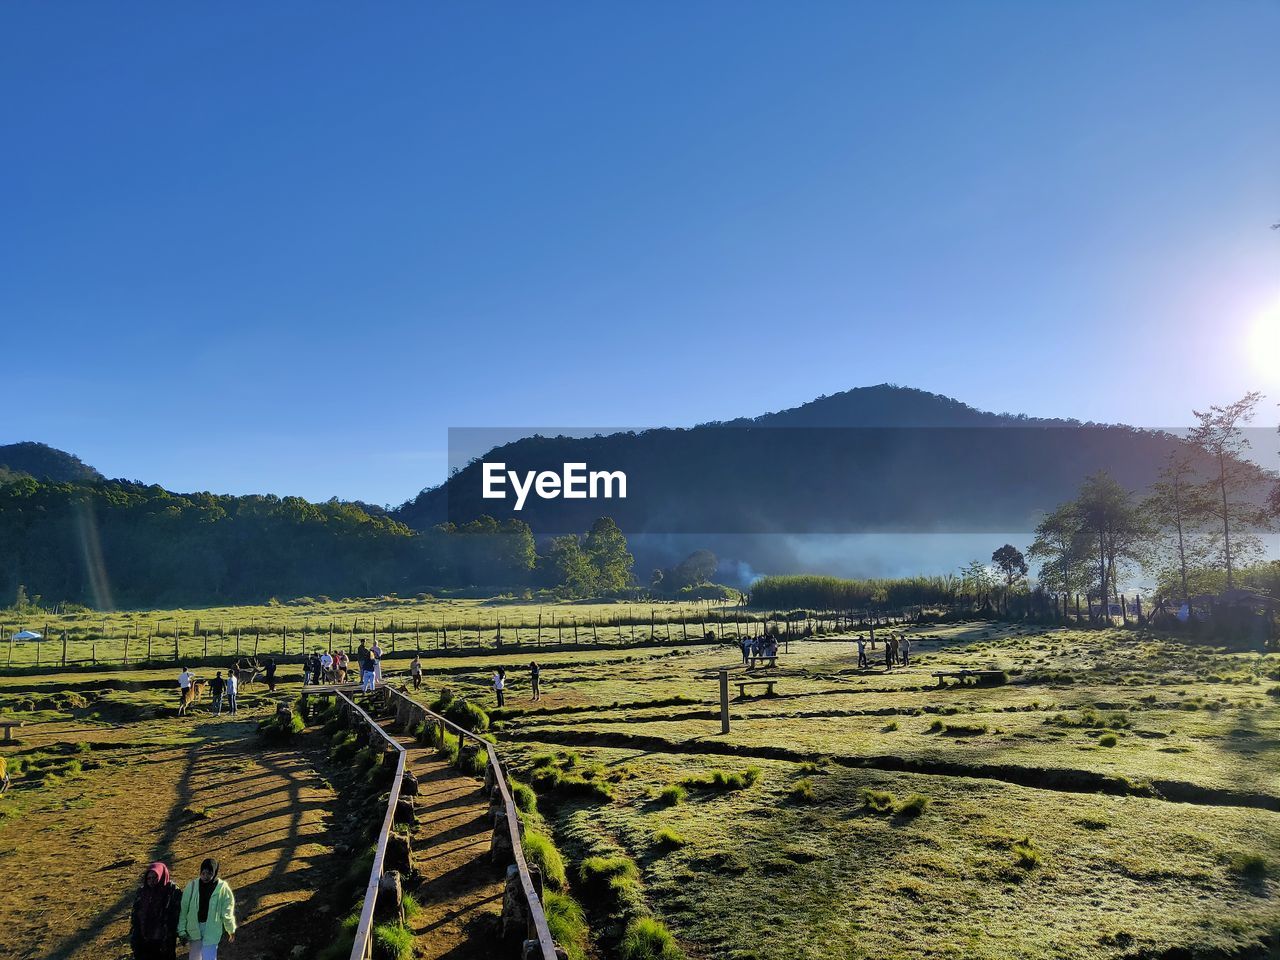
x=873, y=459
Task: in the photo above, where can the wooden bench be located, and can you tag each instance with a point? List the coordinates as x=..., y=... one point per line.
x=961, y=675
x=767, y=684
x=8, y=726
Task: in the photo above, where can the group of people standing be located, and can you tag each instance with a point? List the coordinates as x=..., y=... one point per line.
x=199, y=916
x=897, y=651
x=326, y=667
x=759, y=648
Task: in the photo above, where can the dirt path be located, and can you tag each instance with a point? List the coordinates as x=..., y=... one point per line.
x=461, y=896
x=70, y=861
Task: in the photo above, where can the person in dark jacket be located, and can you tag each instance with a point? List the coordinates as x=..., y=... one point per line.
x=271, y=675
x=153, y=931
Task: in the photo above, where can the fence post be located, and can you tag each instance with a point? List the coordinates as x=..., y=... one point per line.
x=724, y=701
x=64, y=648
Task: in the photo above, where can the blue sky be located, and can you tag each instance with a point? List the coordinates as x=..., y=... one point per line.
x=282, y=248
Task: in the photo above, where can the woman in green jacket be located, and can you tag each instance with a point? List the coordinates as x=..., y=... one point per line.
x=208, y=911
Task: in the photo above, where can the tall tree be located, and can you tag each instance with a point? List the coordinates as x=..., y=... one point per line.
x=694, y=570
x=1178, y=507
x=1220, y=435
x=1113, y=526
x=574, y=572
x=1010, y=561
x=976, y=581
x=1059, y=546
x=606, y=548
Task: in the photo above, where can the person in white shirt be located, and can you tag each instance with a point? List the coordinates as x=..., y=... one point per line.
x=233, y=686
x=184, y=684
x=326, y=666
x=863, y=662
x=500, y=686
x=377, y=663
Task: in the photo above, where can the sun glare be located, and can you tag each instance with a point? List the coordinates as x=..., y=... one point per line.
x=1264, y=343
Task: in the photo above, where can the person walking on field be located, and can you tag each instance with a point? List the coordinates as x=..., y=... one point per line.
x=535, y=679
x=863, y=662
x=233, y=687
x=415, y=672
x=500, y=686
x=4, y=775
x=906, y=650
x=153, y=928
x=367, y=675
x=217, y=686
x=184, y=684
x=271, y=675
x=888, y=653
x=208, y=911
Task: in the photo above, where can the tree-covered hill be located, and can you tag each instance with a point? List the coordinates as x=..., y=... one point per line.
x=44, y=463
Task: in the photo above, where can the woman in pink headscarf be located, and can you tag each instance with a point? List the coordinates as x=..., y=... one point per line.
x=153, y=933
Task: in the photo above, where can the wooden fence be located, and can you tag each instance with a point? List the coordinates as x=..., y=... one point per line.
x=538, y=942
x=362, y=949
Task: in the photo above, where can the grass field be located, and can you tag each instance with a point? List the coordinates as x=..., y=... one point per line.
x=1118, y=796
x=294, y=627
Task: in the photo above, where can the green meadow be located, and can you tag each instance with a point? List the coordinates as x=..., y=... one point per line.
x=1113, y=794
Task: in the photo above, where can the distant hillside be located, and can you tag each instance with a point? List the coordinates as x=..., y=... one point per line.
x=44, y=463
x=873, y=459
x=888, y=405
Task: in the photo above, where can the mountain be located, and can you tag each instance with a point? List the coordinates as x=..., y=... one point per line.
x=44, y=463
x=881, y=459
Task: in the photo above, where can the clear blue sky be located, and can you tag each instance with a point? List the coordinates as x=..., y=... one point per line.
x=283, y=247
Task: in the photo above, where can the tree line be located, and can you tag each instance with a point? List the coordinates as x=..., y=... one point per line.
x=116, y=543
x=1195, y=531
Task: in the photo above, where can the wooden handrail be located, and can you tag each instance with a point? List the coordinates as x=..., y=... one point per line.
x=537, y=916
x=362, y=948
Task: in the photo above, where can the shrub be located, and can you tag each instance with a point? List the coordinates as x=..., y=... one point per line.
x=1108, y=740
x=471, y=761
x=467, y=715
x=344, y=747
x=441, y=703
x=525, y=799
x=365, y=759
x=801, y=791
x=912, y=806
x=881, y=801
x=392, y=942
x=648, y=939
x=541, y=760
x=1026, y=854
x=553, y=781
x=1253, y=866
x=542, y=853
x=567, y=923
x=411, y=906
x=666, y=838
x=724, y=781
x=672, y=794
x=595, y=870
x=964, y=729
